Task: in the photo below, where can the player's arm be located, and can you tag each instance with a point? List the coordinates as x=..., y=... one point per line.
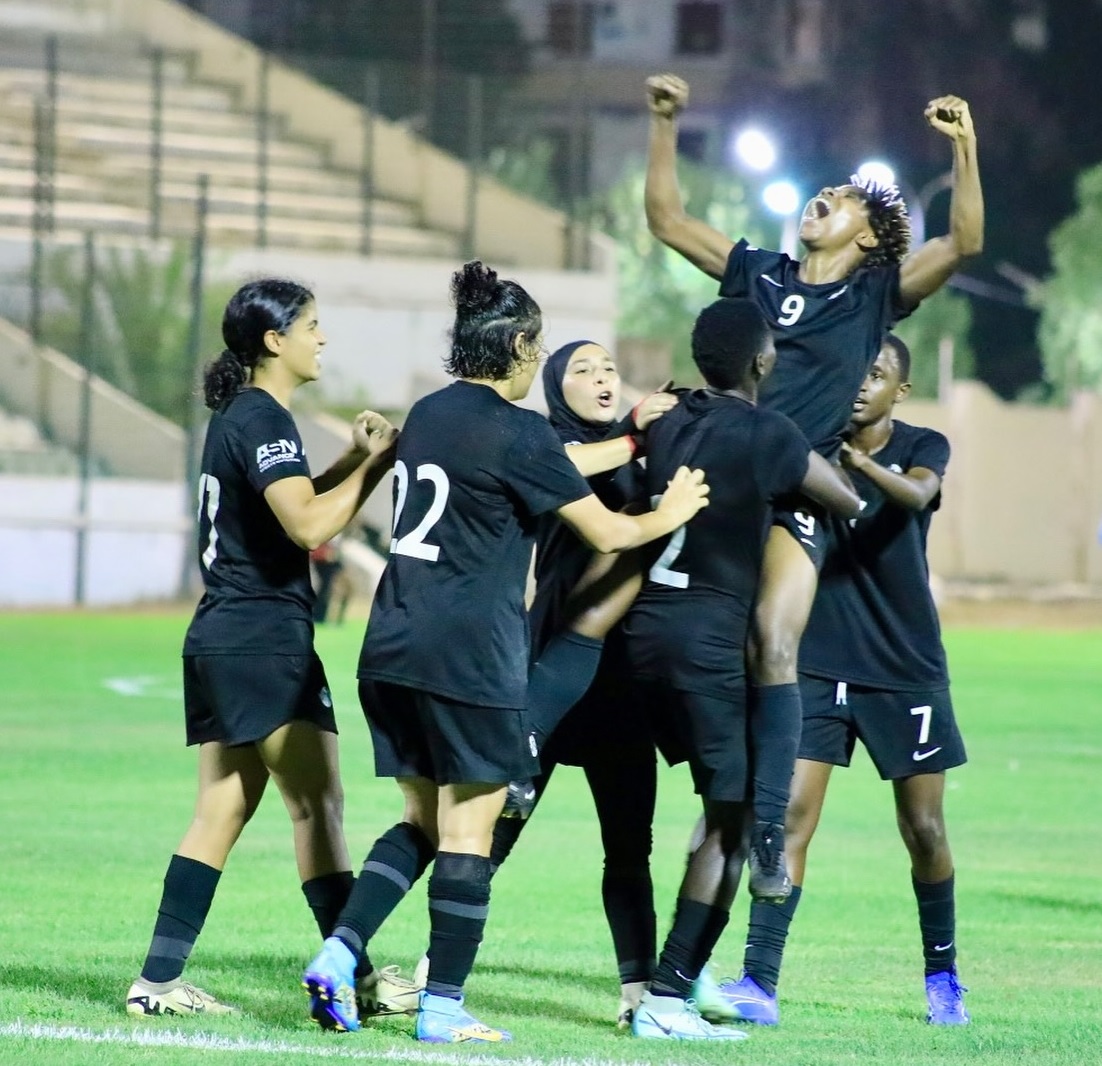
x=703, y=246
x=602, y=455
x=613, y=531
x=912, y=490
x=309, y=517
x=928, y=267
x=826, y=484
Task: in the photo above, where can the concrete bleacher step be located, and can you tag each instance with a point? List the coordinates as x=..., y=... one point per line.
x=115, y=90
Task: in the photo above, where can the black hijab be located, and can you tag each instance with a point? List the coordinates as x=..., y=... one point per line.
x=571, y=427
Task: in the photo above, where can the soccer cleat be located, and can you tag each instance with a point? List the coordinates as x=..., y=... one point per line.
x=749, y=1002
x=710, y=1000
x=945, y=996
x=172, y=997
x=666, y=1018
x=630, y=994
x=332, y=987
x=386, y=992
x=769, y=881
x=442, y=1020
x=520, y=800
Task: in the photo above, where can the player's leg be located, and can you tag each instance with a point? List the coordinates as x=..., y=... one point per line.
x=509, y=826
x=785, y=594
x=754, y=996
x=919, y=804
x=459, y=900
x=624, y=787
x=231, y=784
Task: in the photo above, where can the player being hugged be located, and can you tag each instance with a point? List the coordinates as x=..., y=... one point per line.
x=686, y=632
x=255, y=695
x=829, y=312
x=872, y=667
x=444, y=665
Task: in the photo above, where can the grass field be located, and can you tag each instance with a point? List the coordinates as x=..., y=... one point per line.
x=96, y=789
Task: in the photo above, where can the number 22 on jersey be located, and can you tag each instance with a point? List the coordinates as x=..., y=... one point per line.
x=413, y=543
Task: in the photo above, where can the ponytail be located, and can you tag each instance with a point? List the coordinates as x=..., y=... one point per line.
x=223, y=379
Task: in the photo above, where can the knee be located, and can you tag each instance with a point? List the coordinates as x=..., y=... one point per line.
x=924, y=835
x=772, y=652
x=325, y=805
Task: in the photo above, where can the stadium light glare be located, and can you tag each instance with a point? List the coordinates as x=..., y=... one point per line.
x=877, y=171
x=781, y=197
x=754, y=150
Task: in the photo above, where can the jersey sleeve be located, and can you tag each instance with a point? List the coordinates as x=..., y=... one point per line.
x=930, y=451
x=743, y=265
x=538, y=471
x=884, y=283
x=271, y=448
x=780, y=455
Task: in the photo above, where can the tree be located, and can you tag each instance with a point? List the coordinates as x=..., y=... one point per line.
x=142, y=314
x=945, y=314
x=660, y=292
x=1070, y=300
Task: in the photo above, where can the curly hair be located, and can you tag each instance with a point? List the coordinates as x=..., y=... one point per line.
x=490, y=313
x=889, y=220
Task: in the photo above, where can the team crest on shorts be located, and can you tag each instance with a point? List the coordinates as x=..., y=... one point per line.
x=325, y=696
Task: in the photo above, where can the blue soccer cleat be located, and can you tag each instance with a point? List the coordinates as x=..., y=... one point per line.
x=442, y=1020
x=750, y=1002
x=945, y=996
x=666, y=1018
x=330, y=980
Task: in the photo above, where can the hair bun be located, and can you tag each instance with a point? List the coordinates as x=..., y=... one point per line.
x=474, y=287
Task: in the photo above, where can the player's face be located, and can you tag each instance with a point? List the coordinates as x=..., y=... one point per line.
x=880, y=391
x=838, y=216
x=591, y=384
x=300, y=347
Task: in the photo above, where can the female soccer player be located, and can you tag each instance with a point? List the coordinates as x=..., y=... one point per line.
x=444, y=665
x=256, y=698
x=828, y=312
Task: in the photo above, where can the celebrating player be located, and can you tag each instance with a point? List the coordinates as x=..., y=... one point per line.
x=255, y=695
x=829, y=312
x=686, y=632
x=873, y=667
x=444, y=664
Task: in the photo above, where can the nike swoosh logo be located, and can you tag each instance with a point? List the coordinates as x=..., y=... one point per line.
x=943, y=947
x=767, y=278
x=804, y=540
x=918, y=756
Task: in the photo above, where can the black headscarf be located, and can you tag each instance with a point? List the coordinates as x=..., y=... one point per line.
x=571, y=427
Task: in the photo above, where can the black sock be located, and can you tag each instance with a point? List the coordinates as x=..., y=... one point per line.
x=629, y=908
x=459, y=900
x=185, y=902
x=937, y=922
x=326, y=896
x=765, y=939
x=775, y=719
x=559, y=678
x=696, y=930
x=396, y=860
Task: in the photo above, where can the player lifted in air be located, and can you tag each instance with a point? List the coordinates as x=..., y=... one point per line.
x=828, y=312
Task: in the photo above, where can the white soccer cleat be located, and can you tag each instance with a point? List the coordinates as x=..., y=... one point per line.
x=385, y=991
x=147, y=999
x=665, y=1018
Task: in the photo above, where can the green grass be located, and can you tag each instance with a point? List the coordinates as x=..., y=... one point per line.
x=96, y=789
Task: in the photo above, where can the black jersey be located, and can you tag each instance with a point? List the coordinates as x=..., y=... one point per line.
x=689, y=622
x=258, y=595
x=827, y=336
x=472, y=475
x=874, y=621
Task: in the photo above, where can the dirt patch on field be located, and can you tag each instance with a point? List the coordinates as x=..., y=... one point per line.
x=1037, y=608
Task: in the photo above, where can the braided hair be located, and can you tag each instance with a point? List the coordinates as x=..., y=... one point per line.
x=889, y=221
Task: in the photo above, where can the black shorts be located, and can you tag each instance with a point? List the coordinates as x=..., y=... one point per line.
x=809, y=524
x=417, y=734
x=708, y=732
x=240, y=699
x=905, y=733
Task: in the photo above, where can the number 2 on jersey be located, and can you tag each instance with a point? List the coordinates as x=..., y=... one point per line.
x=662, y=572
x=210, y=488
x=413, y=543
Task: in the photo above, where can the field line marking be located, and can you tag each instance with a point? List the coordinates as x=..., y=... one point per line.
x=174, y=1038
